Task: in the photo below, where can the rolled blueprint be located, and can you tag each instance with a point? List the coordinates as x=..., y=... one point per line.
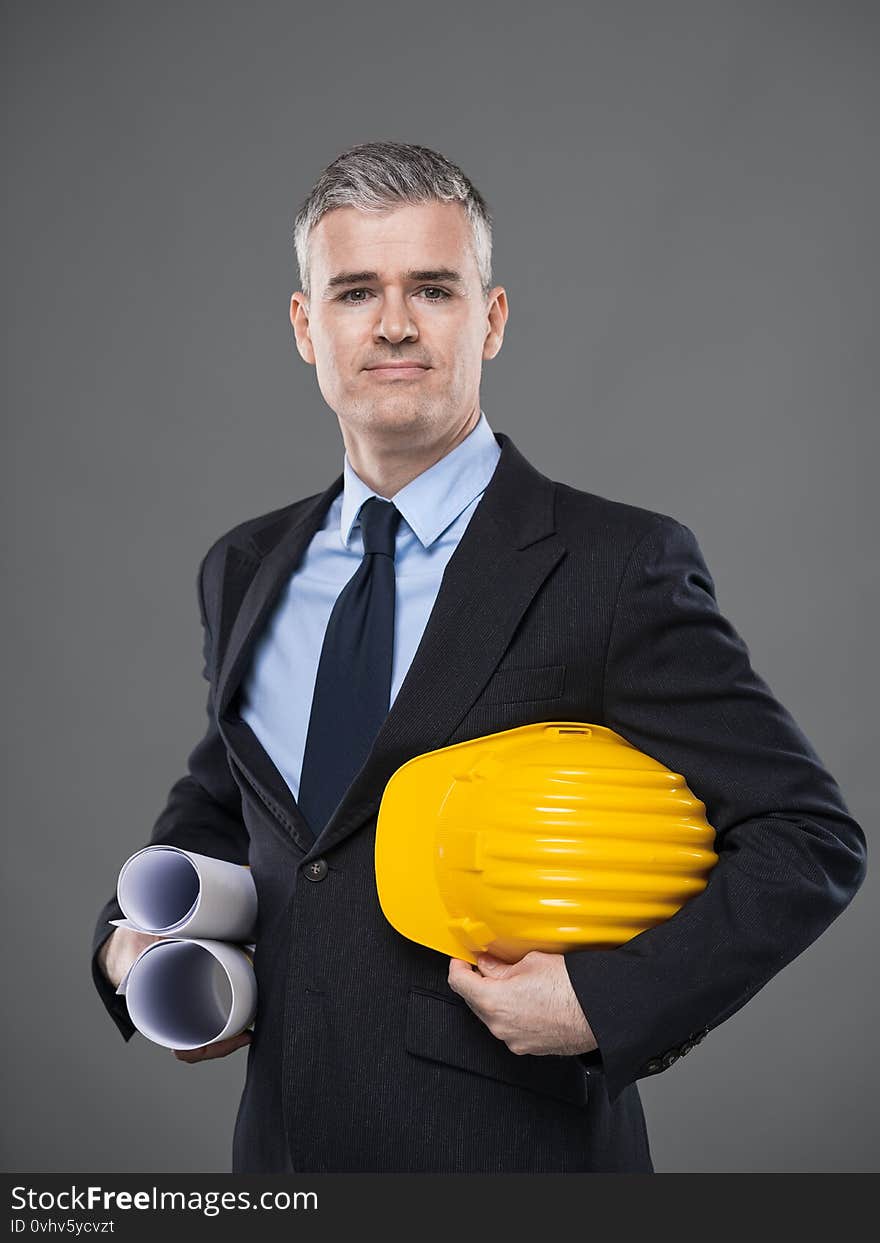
x=183, y=994
x=173, y=892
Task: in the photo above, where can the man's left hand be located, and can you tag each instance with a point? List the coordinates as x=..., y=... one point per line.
x=529, y=1004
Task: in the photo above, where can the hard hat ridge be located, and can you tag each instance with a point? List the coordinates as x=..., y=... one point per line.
x=553, y=836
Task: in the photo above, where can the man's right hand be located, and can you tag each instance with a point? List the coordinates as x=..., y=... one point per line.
x=115, y=957
x=220, y=1048
x=120, y=950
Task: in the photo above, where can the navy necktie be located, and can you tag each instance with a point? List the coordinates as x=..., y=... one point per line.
x=353, y=684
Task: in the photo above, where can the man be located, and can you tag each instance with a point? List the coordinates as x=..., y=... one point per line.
x=438, y=590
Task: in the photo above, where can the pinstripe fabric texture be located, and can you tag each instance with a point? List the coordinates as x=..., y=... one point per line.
x=557, y=604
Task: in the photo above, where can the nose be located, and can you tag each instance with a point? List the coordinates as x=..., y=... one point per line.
x=395, y=322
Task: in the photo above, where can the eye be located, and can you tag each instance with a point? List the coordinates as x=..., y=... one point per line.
x=436, y=295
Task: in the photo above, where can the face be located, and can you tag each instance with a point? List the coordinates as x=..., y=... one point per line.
x=401, y=287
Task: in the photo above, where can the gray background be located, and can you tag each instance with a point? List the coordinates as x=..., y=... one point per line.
x=686, y=203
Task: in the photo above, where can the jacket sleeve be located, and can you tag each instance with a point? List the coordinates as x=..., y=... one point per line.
x=679, y=685
x=202, y=813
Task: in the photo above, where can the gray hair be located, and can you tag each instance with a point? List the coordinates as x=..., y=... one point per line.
x=378, y=176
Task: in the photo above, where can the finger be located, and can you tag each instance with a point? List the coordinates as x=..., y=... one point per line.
x=189, y=1055
x=494, y=967
x=476, y=990
x=220, y=1048
x=462, y=978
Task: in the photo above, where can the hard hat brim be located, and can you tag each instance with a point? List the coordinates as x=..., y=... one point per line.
x=450, y=870
x=406, y=848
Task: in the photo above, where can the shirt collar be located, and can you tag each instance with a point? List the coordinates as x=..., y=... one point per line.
x=436, y=497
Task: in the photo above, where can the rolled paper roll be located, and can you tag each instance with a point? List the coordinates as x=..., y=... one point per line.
x=173, y=892
x=183, y=994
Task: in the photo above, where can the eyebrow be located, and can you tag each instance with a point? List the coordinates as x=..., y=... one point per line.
x=449, y=275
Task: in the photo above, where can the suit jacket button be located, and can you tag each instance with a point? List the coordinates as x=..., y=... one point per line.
x=669, y=1059
x=316, y=870
x=686, y=1047
x=653, y=1066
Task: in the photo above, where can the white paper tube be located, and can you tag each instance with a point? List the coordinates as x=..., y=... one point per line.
x=183, y=994
x=172, y=892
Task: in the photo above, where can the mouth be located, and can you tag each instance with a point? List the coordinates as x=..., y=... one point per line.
x=398, y=371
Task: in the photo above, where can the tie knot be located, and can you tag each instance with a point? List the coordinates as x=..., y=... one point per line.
x=379, y=521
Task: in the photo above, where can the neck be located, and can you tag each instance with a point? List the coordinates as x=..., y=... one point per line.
x=388, y=467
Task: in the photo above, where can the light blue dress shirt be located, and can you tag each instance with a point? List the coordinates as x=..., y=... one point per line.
x=436, y=507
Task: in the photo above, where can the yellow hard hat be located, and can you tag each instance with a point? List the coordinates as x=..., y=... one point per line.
x=554, y=836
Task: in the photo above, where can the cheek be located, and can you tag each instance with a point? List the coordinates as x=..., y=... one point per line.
x=338, y=355
x=329, y=364
x=466, y=352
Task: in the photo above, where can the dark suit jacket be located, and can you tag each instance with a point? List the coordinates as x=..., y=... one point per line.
x=557, y=605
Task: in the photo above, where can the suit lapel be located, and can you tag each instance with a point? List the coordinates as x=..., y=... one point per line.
x=253, y=578
x=277, y=551
x=236, y=575
x=507, y=551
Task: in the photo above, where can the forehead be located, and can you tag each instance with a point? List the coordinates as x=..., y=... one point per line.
x=424, y=235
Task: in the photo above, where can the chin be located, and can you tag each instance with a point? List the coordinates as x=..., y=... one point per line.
x=392, y=413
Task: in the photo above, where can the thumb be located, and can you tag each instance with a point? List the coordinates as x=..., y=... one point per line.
x=495, y=968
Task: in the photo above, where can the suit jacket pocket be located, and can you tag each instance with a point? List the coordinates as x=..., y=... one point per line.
x=444, y=1030
x=519, y=685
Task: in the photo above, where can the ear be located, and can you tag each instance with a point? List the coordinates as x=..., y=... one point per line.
x=496, y=316
x=299, y=319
